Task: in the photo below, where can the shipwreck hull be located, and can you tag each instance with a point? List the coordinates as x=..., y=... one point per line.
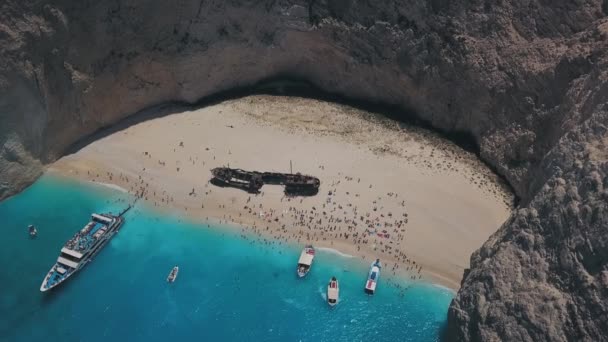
x=252, y=181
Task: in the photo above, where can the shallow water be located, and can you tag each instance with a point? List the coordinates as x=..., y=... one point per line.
x=228, y=289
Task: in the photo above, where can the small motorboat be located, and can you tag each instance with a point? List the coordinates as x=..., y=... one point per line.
x=32, y=231
x=305, y=261
x=372, y=278
x=333, y=292
x=173, y=274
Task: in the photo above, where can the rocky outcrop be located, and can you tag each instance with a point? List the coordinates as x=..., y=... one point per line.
x=526, y=78
x=543, y=276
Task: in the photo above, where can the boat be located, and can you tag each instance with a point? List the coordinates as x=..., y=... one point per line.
x=81, y=248
x=252, y=181
x=372, y=278
x=32, y=231
x=173, y=274
x=305, y=261
x=333, y=291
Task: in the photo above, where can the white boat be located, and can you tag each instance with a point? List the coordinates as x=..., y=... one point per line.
x=333, y=291
x=372, y=278
x=32, y=230
x=305, y=261
x=173, y=274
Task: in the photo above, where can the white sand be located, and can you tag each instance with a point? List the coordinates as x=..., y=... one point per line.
x=452, y=201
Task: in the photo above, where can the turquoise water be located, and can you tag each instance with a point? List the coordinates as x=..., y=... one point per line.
x=229, y=288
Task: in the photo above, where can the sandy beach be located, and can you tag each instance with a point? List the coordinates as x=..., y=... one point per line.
x=402, y=194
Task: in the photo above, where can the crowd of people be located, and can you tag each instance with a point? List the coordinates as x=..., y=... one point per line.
x=374, y=230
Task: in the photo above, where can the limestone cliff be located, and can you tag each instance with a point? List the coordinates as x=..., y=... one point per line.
x=527, y=78
x=543, y=276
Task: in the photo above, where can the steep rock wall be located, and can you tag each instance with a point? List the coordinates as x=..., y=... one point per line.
x=524, y=77
x=543, y=276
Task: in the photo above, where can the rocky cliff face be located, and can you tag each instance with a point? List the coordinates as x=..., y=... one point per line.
x=543, y=276
x=527, y=78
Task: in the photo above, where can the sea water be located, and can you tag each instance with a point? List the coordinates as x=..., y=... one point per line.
x=228, y=289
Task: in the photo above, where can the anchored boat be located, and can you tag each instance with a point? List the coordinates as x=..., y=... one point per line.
x=173, y=274
x=372, y=278
x=333, y=291
x=82, y=247
x=305, y=261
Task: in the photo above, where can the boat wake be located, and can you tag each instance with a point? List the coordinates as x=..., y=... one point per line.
x=323, y=293
x=293, y=303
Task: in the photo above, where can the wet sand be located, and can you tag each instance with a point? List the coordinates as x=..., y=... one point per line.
x=402, y=194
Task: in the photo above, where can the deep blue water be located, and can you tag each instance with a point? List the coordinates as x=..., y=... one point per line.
x=228, y=289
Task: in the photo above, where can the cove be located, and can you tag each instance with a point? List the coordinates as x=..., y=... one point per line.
x=230, y=287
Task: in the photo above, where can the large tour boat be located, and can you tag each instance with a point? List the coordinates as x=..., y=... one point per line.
x=81, y=248
x=372, y=278
x=305, y=261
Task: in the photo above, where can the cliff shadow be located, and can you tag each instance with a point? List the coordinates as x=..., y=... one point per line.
x=279, y=86
x=287, y=85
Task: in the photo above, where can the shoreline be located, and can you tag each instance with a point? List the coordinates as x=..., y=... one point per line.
x=430, y=277
x=241, y=231
x=151, y=243
x=111, y=186
x=438, y=203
